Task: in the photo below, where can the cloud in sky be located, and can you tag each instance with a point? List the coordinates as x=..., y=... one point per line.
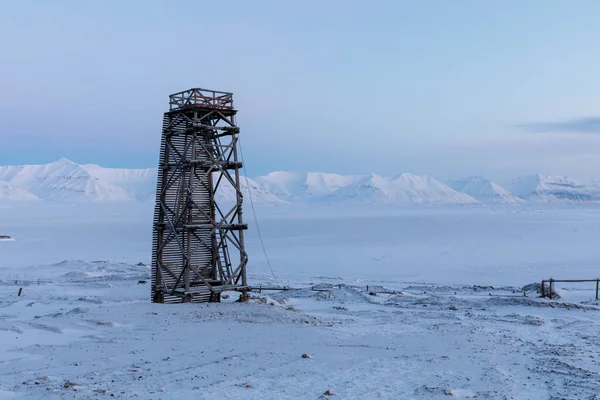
x=577, y=125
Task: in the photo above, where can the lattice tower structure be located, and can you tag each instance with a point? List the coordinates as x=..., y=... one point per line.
x=198, y=242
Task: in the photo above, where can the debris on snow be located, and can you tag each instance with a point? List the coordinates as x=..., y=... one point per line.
x=68, y=384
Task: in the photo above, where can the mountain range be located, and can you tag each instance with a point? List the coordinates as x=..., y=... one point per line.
x=65, y=180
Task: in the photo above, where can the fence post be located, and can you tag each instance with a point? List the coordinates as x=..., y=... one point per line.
x=550, y=294
x=543, y=288
x=597, y=284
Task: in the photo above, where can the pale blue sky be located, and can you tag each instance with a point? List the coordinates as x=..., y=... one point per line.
x=447, y=87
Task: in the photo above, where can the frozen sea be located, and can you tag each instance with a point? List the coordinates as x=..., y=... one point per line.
x=458, y=324
x=479, y=245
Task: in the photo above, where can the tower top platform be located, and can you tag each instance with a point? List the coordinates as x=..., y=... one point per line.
x=203, y=98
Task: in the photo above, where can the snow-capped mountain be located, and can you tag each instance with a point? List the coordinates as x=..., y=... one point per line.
x=62, y=180
x=138, y=184
x=553, y=189
x=308, y=186
x=65, y=180
x=403, y=189
x=484, y=190
x=260, y=195
x=12, y=193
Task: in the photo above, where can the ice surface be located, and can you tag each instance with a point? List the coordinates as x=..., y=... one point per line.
x=445, y=245
x=409, y=302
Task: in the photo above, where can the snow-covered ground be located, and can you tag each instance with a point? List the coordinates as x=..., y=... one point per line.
x=396, y=303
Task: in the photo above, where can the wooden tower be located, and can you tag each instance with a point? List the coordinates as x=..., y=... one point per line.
x=198, y=235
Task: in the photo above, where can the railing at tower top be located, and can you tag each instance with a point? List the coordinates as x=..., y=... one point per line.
x=202, y=98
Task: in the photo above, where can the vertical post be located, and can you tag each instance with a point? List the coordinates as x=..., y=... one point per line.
x=239, y=199
x=213, y=217
x=543, y=288
x=160, y=284
x=188, y=201
x=597, y=284
x=550, y=294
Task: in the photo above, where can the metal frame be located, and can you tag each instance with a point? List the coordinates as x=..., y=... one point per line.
x=550, y=292
x=194, y=236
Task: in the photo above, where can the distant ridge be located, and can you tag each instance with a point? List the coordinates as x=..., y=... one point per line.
x=10, y=193
x=403, y=189
x=64, y=180
x=304, y=187
x=553, y=189
x=61, y=180
x=485, y=191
